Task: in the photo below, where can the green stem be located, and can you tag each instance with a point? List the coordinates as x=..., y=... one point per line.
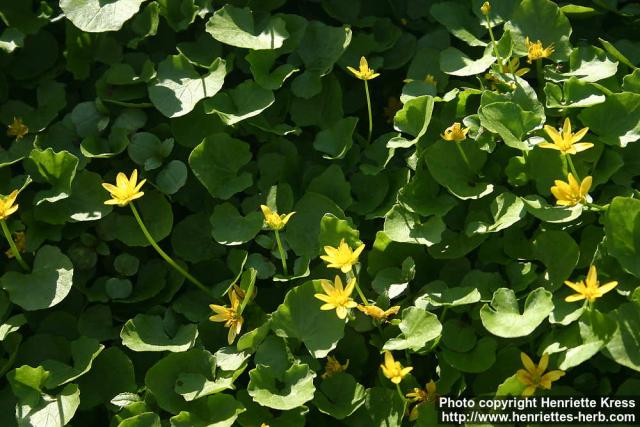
x=283, y=254
x=12, y=244
x=247, y=296
x=351, y=276
x=443, y=314
x=540, y=77
x=404, y=399
x=463, y=155
x=493, y=42
x=366, y=89
x=596, y=207
x=164, y=255
x=572, y=167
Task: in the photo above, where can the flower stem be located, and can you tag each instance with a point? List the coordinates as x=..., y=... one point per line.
x=283, y=254
x=540, y=77
x=350, y=276
x=596, y=207
x=164, y=255
x=366, y=90
x=247, y=296
x=404, y=399
x=463, y=155
x=12, y=244
x=572, y=167
x=493, y=42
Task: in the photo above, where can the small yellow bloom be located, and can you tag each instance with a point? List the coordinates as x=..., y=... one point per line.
x=535, y=51
x=532, y=375
x=342, y=257
x=420, y=397
x=337, y=297
x=430, y=79
x=571, y=193
x=273, y=220
x=392, y=369
x=7, y=206
x=126, y=189
x=566, y=141
x=20, y=240
x=231, y=316
x=485, y=8
x=333, y=367
x=455, y=132
x=365, y=73
x=378, y=313
x=393, y=106
x=589, y=289
x=17, y=129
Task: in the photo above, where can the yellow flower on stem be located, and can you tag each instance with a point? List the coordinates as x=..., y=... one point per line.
x=455, y=132
x=17, y=129
x=485, y=8
x=364, y=73
x=589, y=289
x=273, y=220
x=571, y=193
x=535, y=50
x=333, y=367
x=378, y=313
x=231, y=316
x=125, y=190
x=421, y=396
x=342, y=257
x=566, y=141
x=393, y=369
x=337, y=297
x=8, y=206
x=533, y=376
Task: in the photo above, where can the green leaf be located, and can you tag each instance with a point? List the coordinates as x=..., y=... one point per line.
x=333, y=184
x=506, y=210
x=558, y=252
x=617, y=120
x=219, y=410
x=217, y=161
x=83, y=351
x=339, y=396
x=414, y=119
x=334, y=229
x=450, y=170
x=479, y=359
x=588, y=64
x=241, y=28
x=622, y=228
x=229, y=227
x=540, y=20
x=178, y=87
x=510, y=121
x=57, y=169
x=148, y=333
x=503, y=317
x=96, y=16
x=418, y=327
x=300, y=317
x=457, y=63
x=246, y=100
x=623, y=346
x=404, y=226
x=336, y=140
x=457, y=18
x=538, y=207
x=172, y=177
x=261, y=63
x=146, y=149
x=47, y=285
x=282, y=391
x=574, y=93
x=438, y=294
x=382, y=407
x=50, y=410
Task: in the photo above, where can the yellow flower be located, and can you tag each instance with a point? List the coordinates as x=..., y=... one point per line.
x=566, y=141
x=125, y=190
x=337, y=297
x=365, y=73
x=571, y=193
x=430, y=79
x=393, y=106
x=333, y=367
x=378, y=313
x=232, y=318
x=17, y=129
x=21, y=244
x=532, y=375
x=421, y=396
x=589, y=289
x=392, y=369
x=536, y=51
x=342, y=257
x=485, y=8
x=273, y=220
x=455, y=132
x=7, y=206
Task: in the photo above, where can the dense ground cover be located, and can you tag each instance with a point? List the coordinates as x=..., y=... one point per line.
x=288, y=213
